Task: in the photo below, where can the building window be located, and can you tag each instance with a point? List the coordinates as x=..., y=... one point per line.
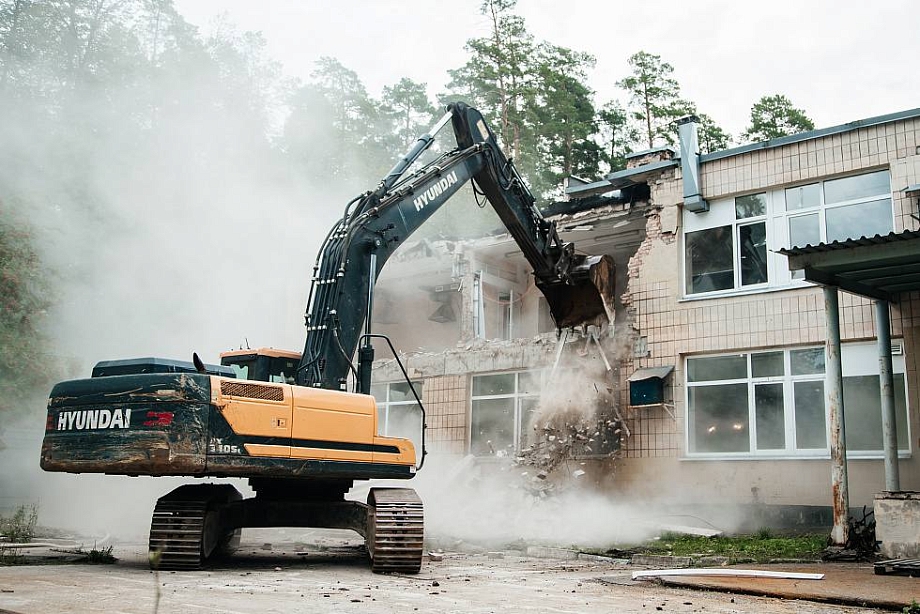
x=732, y=246
x=839, y=209
x=502, y=410
x=398, y=413
x=732, y=255
x=773, y=403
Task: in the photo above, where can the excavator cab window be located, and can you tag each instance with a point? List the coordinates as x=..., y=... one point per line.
x=282, y=370
x=261, y=368
x=243, y=366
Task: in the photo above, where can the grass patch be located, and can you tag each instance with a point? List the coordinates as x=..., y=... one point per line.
x=18, y=528
x=94, y=556
x=761, y=547
x=102, y=556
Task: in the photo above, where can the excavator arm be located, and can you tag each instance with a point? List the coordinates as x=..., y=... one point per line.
x=376, y=223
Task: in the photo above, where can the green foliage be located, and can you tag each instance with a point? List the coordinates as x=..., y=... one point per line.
x=534, y=94
x=408, y=112
x=102, y=556
x=19, y=528
x=617, y=134
x=775, y=116
x=26, y=365
x=761, y=547
x=499, y=77
x=335, y=132
x=654, y=97
x=563, y=118
x=711, y=136
x=913, y=608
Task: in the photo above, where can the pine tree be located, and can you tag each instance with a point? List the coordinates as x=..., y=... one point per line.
x=775, y=116
x=654, y=95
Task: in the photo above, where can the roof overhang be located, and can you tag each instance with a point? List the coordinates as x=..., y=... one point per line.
x=881, y=267
x=621, y=180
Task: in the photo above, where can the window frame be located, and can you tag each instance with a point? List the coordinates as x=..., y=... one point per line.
x=776, y=217
x=823, y=207
x=855, y=363
x=698, y=224
x=517, y=396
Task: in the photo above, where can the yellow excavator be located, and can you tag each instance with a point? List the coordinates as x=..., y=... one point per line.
x=286, y=420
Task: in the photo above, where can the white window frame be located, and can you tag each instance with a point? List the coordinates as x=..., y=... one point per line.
x=722, y=213
x=822, y=207
x=858, y=359
x=517, y=395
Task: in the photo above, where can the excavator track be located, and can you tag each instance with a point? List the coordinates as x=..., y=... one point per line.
x=185, y=530
x=396, y=530
x=176, y=534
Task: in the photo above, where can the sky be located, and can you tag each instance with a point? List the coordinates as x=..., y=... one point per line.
x=840, y=60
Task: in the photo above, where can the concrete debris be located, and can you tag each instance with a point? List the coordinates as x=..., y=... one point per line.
x=661, y=560
x=543, y=552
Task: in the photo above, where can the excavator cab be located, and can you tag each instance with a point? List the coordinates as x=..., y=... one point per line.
x=262, y=364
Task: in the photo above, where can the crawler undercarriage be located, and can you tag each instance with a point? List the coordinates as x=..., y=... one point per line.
x=197, y=523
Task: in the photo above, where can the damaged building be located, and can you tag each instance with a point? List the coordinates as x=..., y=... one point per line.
x=719, y=379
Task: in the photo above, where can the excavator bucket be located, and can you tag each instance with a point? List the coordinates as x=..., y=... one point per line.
x=587, y=297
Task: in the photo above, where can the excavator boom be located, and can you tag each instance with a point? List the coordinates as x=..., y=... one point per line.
x=577, y=287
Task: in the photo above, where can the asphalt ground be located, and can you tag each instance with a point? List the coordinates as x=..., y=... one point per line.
x=311, y=571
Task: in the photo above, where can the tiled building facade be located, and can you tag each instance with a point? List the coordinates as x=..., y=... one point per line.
x=744, y=418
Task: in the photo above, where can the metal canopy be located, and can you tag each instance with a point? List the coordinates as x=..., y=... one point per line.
x=649, y=373
x=880, y=267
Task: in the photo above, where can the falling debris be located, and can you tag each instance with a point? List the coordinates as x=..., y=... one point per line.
x=576, y=417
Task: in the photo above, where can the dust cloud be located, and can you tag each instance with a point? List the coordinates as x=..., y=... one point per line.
x=185, y=230
x=494, y=505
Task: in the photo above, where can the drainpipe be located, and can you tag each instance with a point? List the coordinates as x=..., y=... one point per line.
x=478, y=315
x=690, y=165
x=886, y=381
x=834, y=378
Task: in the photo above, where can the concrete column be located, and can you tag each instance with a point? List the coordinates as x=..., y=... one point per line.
x=834, y=391
x=886, y=381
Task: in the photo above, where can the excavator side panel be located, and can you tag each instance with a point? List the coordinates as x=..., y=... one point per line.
x=277, y=430
x=260, y=411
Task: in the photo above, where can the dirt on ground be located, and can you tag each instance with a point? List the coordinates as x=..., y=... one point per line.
x=280, y=570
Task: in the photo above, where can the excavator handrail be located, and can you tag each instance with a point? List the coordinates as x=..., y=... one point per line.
x=411, y=387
